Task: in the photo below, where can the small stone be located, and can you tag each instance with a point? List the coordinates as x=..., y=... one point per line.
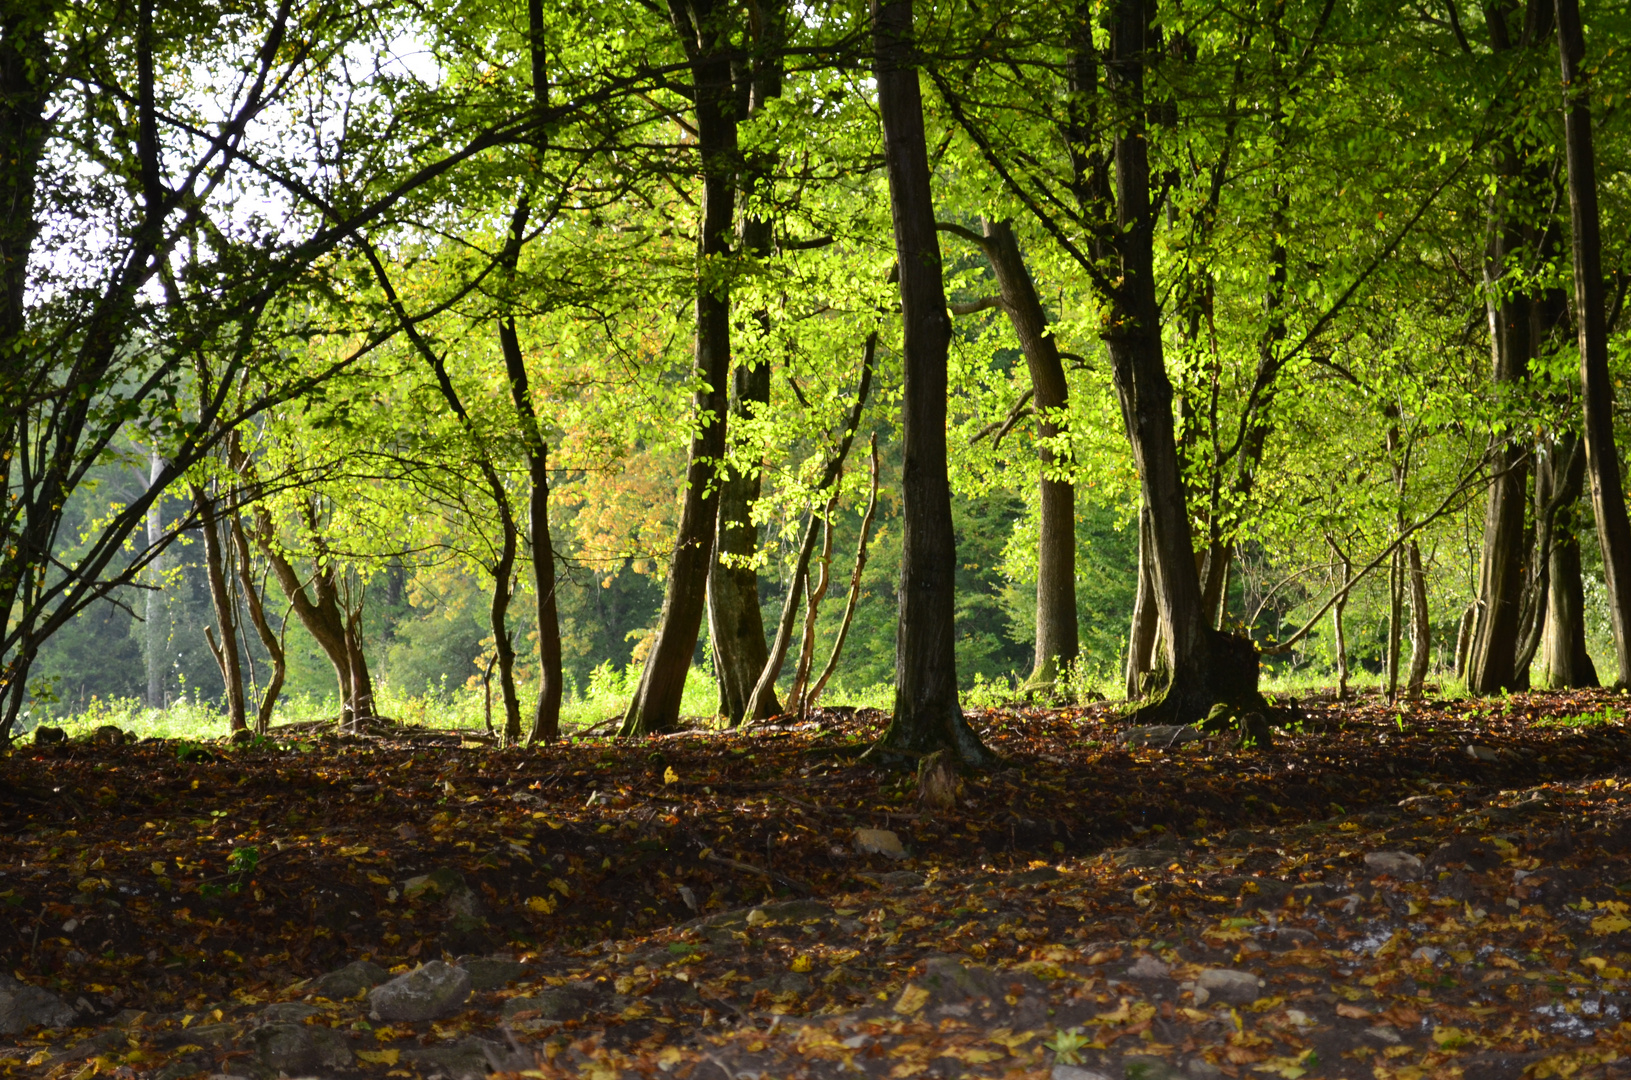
x=349, y=981
x=1427, y=953
x=288, y=1012
x=551, y=1006
x=1227, y=984
x=1384, y=1033
x=1201, y=1069
x=109, y=735
x=879, y=842
x=901, y=879
x=299, y=1048
x=1076, y=1072
x=794, y=912
x=1421, y=804
x=947, y=978
x=450, y=886
x=45, y=735
x=1161, y=735
x=1148, y=967
x=470, y=1059
x=1482, y=753
x=428, y=992
x=491, y=972
x=1395, y=864
x=23, y=1006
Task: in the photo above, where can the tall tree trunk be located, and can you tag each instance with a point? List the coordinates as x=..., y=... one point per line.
x=1596, y=387
x=1056, y=630
x=1146, y=617
x=814, y=593
x=736, y=625
x=226, y=650
x=1338, y=630
x=1421, y=626
x=1207, y=666
x=927, y=715
x=1565, y=663
x=702, y=26
x=272, y=642
x=1395, y=627
x=155, y=631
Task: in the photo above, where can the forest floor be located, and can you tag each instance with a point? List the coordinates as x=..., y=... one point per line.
x=1424, y=890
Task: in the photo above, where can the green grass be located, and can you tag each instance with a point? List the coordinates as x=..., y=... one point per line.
x=607, y=696
x=1604, y=717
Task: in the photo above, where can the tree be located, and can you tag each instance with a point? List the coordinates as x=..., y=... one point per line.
x=927, y=714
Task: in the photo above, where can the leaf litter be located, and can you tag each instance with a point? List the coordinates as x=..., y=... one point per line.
x=1437, y=889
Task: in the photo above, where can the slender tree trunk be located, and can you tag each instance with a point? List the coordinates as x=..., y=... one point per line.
x=1056, y=630
x=814, y=594
x=498, y=614
x=1146, y=617
x=762, y=702
x=1421, y=626
x=854, y=584
x=1596, y=387
x=704, y=33
x=1395, y=628
x=155, y=630
x=1338, y=630
x=257, y=616
x=1464, y=637
x=226, y=650
x=927, y=715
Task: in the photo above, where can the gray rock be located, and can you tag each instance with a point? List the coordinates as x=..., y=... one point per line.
x=902, y=879
x=469, y=1059
x=1396, y=864
x=23, y=1006
x=492, y=973
x=349, y=981
x=1227, y=984
x=1483, y=753
x=211, y=1034
x=287, y=1012
x=788, y=911
x=1143, y=1067
x=1076, y=1072
x=1148, y=967
x=298, y=1048
x=551, y=1005
x=428, y=992
x=948, y=979
x=1201, y=1069
x=101, y=1043
x=793, y=983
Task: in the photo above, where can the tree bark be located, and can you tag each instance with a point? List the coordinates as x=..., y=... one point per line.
x=1141, y=637
x=155, y=634
x=226, y=650
x=1596, y=387
x=1565, y=663
x=927, y=714
x=1207, y=666
x=813, y=595
x=257, y=617
x=701, y=26
x=1337, y=628
x=1056, y=630
x=1421, y=626
x=735, y=622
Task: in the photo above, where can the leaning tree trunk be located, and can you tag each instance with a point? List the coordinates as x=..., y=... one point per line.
x=1207, y=666
x=1596, y=387
x=226, y=650
x=656, y=703
x=1338, y=629
x=263, y=629
x=1056, y=631
x=928, y=715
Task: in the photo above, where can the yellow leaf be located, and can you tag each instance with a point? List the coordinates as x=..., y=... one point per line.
x=379, y=879
x=972, y=1055
x=157, y=867
x=1042, y=969
x=89, y=885
x=801, y=963
x=670, y=776
x=543, y=905
x=1610, y=924
x=350, y=852
x=912, y=1000
x=379, y=1057
x=560, y=886
x=1144, y=895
